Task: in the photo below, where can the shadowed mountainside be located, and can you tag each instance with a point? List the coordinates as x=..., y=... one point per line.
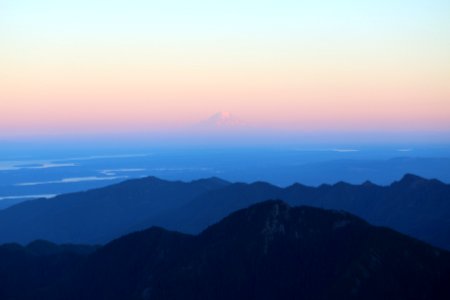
x=267, y=251
x=413, y=205
x=99, y=215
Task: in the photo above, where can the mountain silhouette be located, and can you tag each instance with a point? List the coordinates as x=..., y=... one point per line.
x=222, y=121
x=413, y=205
x=99, y=215
x=267, y=251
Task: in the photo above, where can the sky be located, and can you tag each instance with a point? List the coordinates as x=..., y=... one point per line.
x=112, y=66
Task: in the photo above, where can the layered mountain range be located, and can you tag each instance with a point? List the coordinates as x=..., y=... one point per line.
x=267, y=251
x=413, y=205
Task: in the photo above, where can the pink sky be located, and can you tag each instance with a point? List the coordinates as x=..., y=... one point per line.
x=282, y=65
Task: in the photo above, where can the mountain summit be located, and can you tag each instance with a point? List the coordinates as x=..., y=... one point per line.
x=222, y=120
x=267, y=251
x=413, y=205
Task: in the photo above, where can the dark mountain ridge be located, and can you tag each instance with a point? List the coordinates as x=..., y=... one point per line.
x=413, y=205
x=99, y=215
x=267, y=251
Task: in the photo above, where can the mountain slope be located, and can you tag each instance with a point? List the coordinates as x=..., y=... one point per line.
x=415, y=206
x=267, y=251
x=99, y=215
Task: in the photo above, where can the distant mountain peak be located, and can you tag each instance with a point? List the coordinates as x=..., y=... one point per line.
x=411, y=179
x=222, y=120
x=213, y=180
x=342, y=185
x=368, y=183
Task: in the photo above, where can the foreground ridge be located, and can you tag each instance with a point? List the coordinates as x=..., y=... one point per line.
x=267, y=251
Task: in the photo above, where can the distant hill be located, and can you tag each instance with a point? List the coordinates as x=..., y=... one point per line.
x=415, y=206
x=99, y=215
x=281, y=167
x=5, y=203
x=267, y=251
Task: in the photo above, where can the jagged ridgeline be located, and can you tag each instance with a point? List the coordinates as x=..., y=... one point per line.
x=415, y=206
x=267, y=251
